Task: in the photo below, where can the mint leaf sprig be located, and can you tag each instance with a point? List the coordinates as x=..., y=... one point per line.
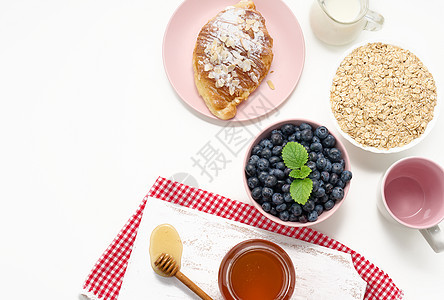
x=295, y=158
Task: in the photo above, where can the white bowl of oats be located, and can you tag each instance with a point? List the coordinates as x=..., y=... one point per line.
x=383, y=98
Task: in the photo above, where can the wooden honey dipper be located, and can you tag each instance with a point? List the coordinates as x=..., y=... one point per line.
x=169, y=267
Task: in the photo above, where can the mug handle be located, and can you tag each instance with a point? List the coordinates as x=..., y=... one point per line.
x=374, y=21
x=435, y=237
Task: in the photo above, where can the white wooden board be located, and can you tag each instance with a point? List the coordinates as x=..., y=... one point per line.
x=321, y=273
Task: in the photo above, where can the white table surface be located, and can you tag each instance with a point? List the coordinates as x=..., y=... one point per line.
x=88, y=120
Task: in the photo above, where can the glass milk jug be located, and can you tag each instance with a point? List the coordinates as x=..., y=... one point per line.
x=339, y=22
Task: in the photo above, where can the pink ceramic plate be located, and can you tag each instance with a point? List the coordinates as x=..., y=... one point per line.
x=288, y=62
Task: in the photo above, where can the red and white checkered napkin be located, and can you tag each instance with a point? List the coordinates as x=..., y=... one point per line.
x=106, y=277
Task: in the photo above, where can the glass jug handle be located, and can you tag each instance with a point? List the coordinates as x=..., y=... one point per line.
x=374, y=21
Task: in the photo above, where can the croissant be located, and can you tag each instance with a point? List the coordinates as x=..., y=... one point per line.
x=232, y=55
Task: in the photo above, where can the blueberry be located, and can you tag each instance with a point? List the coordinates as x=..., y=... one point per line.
x=342, y=162
x=256, y=193
x=267, y=193
x=253, y=182
x=315, y=174
x=296, y=209
x=274, y=160
x=337, y=168
x=303, y=219
x=276, y=139
x=292, y=138
x=293, y=218
x=315, y=184
x=328, y=166
x=281, y=207
x=271, y=172
x=256, y=150
x=277, y=198
x=324, y=199
x=329, y=141
x=335, y=154
x=279, y=174
x=280, y=184
x=250, y=170
x=337, y=193
x=306, y=135
x=287, y=129
x=253, y=159
x=266, y=143
x=325, y=176
x=265, y=153
x=312, y=156
x=280, y=166
x=309, y=205
x=346, y=176
x=325, y=152
x=311, y=165
x=312, y=216
x=262, y=164
x=270, y=181
x=273, y=211
x=305, y=126
x=334, y=178
x=287, y=172
x=262, y=176
x=284, y=216
x=316, y=147
x=328, y=188
x=340, y=184
x=288, y=198
x=315, y=139
x=276, y=151
x=289, y=180
x=286, y=188
x=320, y=192
x=329, y=204
x=319, y=209
x=266, y=206
x=260, y=200
x=276, y=131
x=298, y=135
x=321, y=132
x=321, y=163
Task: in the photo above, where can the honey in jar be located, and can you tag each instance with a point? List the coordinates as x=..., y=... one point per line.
x=256, y=270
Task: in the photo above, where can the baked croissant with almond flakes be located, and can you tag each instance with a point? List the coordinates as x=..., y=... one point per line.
x=232, y=56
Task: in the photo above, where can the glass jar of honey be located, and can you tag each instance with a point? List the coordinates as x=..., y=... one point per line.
x=256, y=270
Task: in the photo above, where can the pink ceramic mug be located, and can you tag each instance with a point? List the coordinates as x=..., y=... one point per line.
x=412, y=194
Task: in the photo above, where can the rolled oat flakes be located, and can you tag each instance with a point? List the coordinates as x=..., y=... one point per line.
x=383, y=96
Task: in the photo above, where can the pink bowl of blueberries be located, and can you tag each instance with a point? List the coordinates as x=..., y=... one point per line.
x=297, y=173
